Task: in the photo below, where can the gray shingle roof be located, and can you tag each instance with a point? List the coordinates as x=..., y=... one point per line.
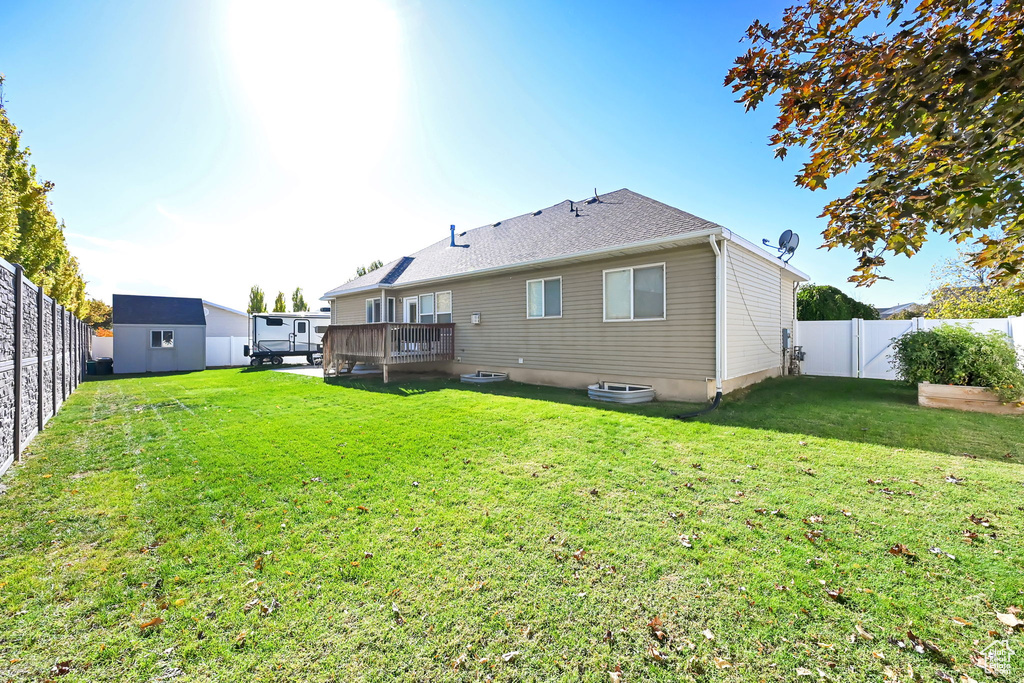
x=618, y=218
x=157, y=310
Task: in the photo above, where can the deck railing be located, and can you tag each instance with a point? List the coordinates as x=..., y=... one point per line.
x=387, y=344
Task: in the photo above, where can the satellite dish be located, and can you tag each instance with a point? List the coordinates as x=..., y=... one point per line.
x=788, y=242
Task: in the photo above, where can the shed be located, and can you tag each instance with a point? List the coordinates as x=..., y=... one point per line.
x=158, y=334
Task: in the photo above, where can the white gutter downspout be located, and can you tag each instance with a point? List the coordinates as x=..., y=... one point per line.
x=719, y=312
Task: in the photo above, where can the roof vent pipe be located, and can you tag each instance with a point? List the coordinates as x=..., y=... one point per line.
x=453, y=237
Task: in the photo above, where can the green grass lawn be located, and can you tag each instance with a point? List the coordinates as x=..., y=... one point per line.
x=286, y=529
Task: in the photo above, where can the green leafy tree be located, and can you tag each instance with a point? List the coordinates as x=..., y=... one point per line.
x=963, y=290
x=30, y=234
x=363, y=270
x=280, y=305
x=824, y=302
x=298, y=301
x=99, y=314
x=923, y=99
x=256, y=301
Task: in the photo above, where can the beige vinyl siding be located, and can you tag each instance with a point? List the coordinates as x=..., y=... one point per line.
x=351, y=309
x=679, y=347
x=755, y=310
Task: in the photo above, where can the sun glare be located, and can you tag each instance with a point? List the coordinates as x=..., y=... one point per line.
x=324, y=78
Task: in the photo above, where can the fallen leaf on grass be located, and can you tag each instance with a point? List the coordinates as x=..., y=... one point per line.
x=655, y=625
x=978, y=660
x=923, y=646
x=846, y=513
x=654, y=653
x=708, y=634
x=935, y=550
x=875, y=481
x=258, y=564
x=801, y=671
x=61, y=668
x=1010, y=620
x=685, y=540
x=240, y=639
x=616, y=675
x=362, y=508
x=459, y=661
x=510, y=656
x=953, y=480
x=862, y=633
x=813, y=519
x=578, y=555
x=836, y=594
x=962, y=622
x=980, y=521
x=155, y=621
x=900, y=549
x=247, y=607
x=722, y=663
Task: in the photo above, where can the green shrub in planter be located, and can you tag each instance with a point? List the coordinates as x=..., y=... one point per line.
x=952, y=354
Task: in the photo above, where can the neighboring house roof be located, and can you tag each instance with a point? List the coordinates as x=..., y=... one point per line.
x=157, y=310
x=616, y=219
x=224, y=308
x=884, y=313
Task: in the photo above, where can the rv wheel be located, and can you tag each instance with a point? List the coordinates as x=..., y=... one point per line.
x=277, y=360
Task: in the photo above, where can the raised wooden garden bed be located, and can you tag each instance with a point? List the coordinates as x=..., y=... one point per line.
x=974, y=399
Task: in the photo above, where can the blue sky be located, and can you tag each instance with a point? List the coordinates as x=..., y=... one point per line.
x=202, y=147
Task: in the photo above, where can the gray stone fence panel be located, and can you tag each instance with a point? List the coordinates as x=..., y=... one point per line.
x=42, y=360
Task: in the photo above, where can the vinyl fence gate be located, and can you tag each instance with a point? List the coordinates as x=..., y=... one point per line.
x=863, y=348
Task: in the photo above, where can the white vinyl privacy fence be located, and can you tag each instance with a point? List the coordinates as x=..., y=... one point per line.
x=863, y=348
x=226, y=351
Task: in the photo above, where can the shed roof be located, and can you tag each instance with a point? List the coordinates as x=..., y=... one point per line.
x=130, y=309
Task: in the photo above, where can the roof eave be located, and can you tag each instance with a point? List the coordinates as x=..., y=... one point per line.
x=697, y=236
x=751, y=247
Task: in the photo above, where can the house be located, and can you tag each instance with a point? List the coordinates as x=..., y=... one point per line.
x=158, y=334
x=222, y=321
x=617, y=287
x=890, y=311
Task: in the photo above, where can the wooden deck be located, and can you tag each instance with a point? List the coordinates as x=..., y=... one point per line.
x=386, y=344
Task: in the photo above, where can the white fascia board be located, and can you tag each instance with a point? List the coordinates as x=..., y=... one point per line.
x=686, y=239
x=754, y=249
x=224, y=308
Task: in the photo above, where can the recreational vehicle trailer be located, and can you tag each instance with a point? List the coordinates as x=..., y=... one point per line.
x=276, y=336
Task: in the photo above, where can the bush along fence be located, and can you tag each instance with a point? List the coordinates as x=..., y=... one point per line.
x=43, y=349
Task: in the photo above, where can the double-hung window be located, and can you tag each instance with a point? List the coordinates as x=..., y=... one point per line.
x=431, y=308
x=636, y=293
x=544, y=298
x=373, y=312
x=161, y=339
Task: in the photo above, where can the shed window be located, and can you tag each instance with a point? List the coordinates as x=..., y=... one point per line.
x=635, y=293
x=544, y=298
x=275, y=322
x=161, y=339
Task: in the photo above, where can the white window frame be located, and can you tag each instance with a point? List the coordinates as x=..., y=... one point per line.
x=543, y=298
x=451, y=305
x=161, y=339
x=436, y=312
x=384, y=311
x=631, y=318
